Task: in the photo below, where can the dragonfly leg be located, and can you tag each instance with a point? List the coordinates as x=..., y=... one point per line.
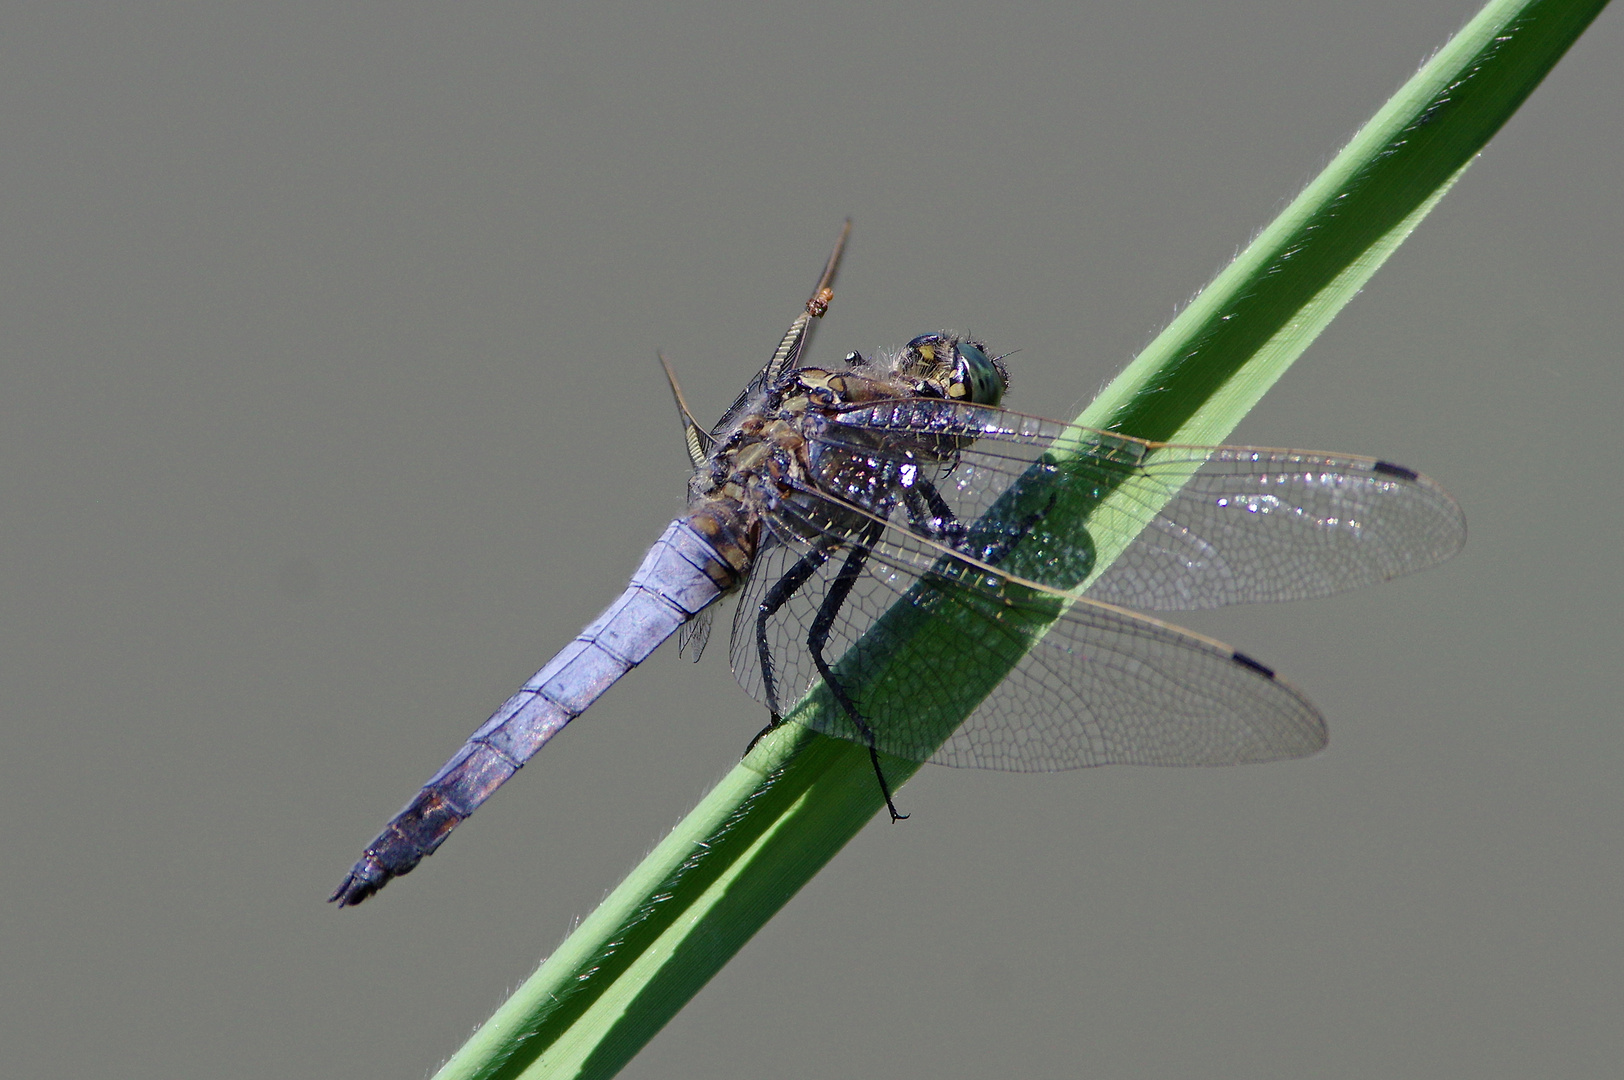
x=818, y=636
x=998, y=549
x=929, y=513
x=777, y=596
x=773, y=722
x=940, y=524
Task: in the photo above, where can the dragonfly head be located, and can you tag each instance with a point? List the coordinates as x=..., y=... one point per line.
x=959, y=370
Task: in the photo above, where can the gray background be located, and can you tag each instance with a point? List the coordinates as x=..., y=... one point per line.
x=330, y=410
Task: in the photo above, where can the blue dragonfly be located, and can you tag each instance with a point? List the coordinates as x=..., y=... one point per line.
x=837, y=502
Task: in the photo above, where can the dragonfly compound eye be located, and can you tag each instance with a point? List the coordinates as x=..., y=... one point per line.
x=977, y=378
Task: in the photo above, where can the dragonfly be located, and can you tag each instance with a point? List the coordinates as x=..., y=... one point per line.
x=884, y=522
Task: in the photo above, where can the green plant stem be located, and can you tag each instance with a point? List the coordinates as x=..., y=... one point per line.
x=797, y=798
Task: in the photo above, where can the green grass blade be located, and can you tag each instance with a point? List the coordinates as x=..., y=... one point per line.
x=798, y=797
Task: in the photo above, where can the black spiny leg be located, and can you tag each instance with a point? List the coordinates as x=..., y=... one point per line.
x=942, y=525
x=818, y=637
x=930, y=515
x=777, y=596
x=997, y=551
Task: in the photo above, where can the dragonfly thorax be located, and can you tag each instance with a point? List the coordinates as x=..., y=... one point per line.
x=789, y=446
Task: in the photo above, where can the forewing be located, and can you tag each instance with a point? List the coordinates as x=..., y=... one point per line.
x=1249, y=525
x=1197, y=527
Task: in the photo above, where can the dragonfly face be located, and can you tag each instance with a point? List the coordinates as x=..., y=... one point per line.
x=956, y=369
x=877, y=517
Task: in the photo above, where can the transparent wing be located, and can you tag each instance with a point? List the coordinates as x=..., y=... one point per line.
x=695, y=633
x=915, y=653
x=1105, y=687
x=941, y=531
x=1212, y=525
x=788, y=354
